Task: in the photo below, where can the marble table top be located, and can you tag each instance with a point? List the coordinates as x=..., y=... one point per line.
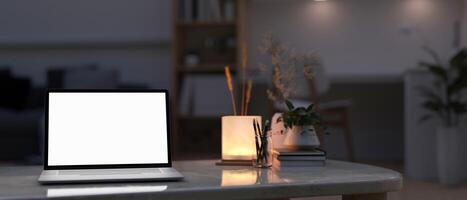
x=205, y=180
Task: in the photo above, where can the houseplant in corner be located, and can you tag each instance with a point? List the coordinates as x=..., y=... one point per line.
x=300, y=123
x=444, y=100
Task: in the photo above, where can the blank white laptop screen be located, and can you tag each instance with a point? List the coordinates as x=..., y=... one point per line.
x=105, y=128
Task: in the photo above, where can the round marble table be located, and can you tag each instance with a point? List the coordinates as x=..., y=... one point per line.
x=205, y=180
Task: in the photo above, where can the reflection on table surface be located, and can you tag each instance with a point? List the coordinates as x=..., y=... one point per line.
x=88, y=191
x=205, y=178
x=249, y=177
x=229, y=177
x=199, y=174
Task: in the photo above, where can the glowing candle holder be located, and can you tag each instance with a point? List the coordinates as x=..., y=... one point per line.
x=238, y=140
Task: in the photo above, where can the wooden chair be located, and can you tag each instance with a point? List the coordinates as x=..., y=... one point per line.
x=336, y=113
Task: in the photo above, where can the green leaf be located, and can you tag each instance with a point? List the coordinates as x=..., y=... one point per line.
x=457, y=85
x=435, y=69
x=433, y=106
x=301, y=111
x=429, y=94
x=458, y=61
x=458, y=107
x=463, y=70
x=289, y=104
x=432, y=53
x=310, y=108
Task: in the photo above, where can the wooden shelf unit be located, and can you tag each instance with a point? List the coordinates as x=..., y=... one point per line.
x=185, y=32
x=205, y=24
x=205, y=69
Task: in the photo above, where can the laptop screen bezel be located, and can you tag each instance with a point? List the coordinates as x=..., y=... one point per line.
x=106, y=166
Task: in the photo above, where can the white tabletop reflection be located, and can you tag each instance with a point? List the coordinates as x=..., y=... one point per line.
x=205, y=180
x=249, y=177
x=89, y=191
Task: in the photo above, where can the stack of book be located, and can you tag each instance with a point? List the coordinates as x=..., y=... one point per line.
x=304, y=158
x=207, y=10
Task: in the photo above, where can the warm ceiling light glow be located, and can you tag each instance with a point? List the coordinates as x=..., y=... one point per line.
x=419, y=9
x=321, y=13
x=320, y=0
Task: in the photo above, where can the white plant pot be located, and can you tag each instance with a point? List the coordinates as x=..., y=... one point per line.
x=301, y=138
x=448, y=155
x=278, y=131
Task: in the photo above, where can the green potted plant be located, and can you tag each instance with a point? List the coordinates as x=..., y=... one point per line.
x=300, y=123
x=286, y=68
x=444, y=100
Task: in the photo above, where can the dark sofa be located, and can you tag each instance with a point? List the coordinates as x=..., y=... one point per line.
x=21, y=108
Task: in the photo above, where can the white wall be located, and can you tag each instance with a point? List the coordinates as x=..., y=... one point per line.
x=71, y=20
x=130, y=35
x=364, y=44
x=357, y=37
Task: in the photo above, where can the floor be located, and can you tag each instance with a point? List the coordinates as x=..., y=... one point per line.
x=416, y=190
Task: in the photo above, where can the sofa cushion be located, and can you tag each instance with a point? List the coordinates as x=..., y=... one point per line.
x=5, y=72
x=14, y=92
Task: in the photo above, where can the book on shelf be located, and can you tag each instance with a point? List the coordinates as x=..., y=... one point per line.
x=201, y=10
x=207, y=10
x=215, y=10
x=188, y=13
x=229, y=10
x=194, y=9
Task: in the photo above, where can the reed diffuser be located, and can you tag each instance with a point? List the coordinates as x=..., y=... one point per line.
x=228, y=76
x=238, y=136
x=246, y=86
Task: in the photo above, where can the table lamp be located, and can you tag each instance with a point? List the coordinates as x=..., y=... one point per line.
x=238, y=140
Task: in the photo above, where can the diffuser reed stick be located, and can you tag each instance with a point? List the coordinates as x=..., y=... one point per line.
x=256, y=138
x=248, y=95
x=228, y=77
x=243, y=78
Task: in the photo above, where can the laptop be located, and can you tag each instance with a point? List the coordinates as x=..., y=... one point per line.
x=107, y=136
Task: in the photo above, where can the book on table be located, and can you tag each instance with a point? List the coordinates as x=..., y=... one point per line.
x=279, y=163
x=304, y=158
